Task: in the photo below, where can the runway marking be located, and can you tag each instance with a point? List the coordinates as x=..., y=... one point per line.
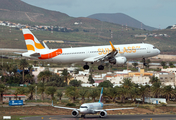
x=42, y=117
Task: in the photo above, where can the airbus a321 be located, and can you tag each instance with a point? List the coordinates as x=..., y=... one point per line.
x=114, y=54
x=91, y=108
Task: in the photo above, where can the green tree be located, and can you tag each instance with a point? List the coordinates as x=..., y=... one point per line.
x=20, y=91
x=156, y=89
x=35, y=62
x=83, y=92
x=91, y=80
x=41, y=89
x=163, y=63
x=72, y=92
x=66, y=75
x=134, y=93
x=44, y=76
x=94, y=93
x=28, y=78
x=144, y=91
x=135, y=64
x=51, y=91
x=106, y=84
x=3, y=88
x=171, y=64
x=59, y=94
x=75, y=83
x=127, y=83
x=123, y=92
x=154, y=79
x=31, y=90
x=22, y=65
x=168, y=92
x=57, y=81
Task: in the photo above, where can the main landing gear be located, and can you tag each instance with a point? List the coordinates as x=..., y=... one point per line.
x=82, y=116
x=144, y=63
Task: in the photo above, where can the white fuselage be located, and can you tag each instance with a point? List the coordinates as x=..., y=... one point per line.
x=89, y=108
x=78, y=54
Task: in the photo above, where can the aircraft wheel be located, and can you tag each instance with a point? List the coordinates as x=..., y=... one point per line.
x=86, y=67
x=100, y=67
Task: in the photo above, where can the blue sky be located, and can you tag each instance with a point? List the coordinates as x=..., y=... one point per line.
x=154, y=13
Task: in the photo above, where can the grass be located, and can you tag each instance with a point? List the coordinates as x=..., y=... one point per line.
x=99, y=34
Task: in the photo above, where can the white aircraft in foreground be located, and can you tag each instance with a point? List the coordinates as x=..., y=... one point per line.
x=91, y=108
x=115, y=54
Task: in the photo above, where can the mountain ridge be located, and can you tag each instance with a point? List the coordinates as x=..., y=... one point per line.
x=120, y=18
x=18, y=10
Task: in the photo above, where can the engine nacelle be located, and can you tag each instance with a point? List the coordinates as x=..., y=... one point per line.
x=75, y=113
x=118, y=60
x=103, y=114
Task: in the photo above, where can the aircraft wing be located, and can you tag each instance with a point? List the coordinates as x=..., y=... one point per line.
x=93, y=59
x=120, y=108
x=103, y=57
x=114, y=109
x=68, y=108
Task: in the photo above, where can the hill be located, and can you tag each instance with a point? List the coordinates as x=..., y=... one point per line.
x=120, y=18
x=19, y=11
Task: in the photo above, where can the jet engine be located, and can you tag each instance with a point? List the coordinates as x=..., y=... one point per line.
x=75, y=113
x=103, y=114
x=118, y=60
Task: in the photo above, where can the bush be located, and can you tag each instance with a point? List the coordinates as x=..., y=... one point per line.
x=70, y=104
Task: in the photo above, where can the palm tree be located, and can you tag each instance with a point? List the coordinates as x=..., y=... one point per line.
x=163, y=63
x=127, y=83
x=93, y=93
x=72, y=92
x=156, y=89
x=20, y=91
x=23, y=64
x=44, y=75
x=31, y=90
x=59, y=94
x=50, y=91
x=28, y=78
x=83, y=92
x=123, y=92
x=66, y=75
x=143, y=91
x=3, y=88
x=168, y=92
x=154, y=79
x=134, y=93
x=41, y=89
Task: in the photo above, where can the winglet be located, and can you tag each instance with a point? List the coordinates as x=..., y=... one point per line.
x=100, y=100
x=46, y=47
x=113, y=48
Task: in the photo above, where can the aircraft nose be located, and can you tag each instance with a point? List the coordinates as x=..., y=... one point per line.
x=83, y=110
x=158, y=51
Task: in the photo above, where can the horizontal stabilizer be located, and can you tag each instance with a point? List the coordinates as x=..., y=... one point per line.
x=35, y=55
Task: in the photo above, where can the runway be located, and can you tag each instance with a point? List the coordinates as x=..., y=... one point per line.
x=109, y=117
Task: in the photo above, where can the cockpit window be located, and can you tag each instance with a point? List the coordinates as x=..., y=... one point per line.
x=154, y=47
x=83, y=106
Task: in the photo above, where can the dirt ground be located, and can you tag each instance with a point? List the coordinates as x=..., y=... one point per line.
x=49, y=110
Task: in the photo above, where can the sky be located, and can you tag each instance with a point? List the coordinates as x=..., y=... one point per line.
x=154, y=13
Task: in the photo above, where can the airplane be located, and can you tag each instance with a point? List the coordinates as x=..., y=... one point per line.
x=114, y=54
x=91, y=108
